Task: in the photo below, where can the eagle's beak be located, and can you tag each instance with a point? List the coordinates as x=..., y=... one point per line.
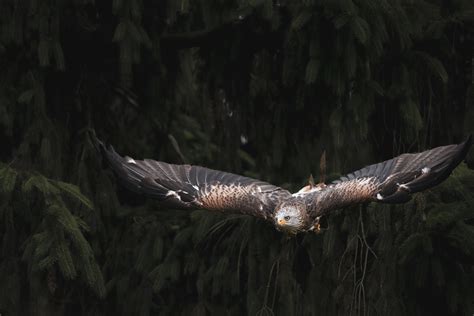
x=281, y=222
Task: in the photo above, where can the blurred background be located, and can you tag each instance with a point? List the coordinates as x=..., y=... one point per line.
x=256, y=87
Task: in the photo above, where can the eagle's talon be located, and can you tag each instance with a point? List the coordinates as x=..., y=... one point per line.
x=316, y=227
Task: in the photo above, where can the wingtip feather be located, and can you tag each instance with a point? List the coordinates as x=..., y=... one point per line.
x=462, y=152
x=467, y=144
x=96, y=142
x=400, y=196
x=434, y=176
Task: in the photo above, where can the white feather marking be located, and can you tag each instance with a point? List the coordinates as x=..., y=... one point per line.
x=130, y=160
x=196, y=187
x=425, y=170
x=305, y=191
x=297, y=194
x=403, y=186
x=173, y=194
x=379, y=196
x=261, y=207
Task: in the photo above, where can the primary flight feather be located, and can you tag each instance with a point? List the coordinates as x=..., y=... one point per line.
x=194, y=187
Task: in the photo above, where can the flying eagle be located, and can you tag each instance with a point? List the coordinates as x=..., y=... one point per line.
x=194, y=187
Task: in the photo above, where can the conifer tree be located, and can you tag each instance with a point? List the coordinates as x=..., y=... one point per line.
x=257, y=87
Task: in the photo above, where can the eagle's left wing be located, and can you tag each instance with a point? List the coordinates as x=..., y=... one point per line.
x=391, y=181
x=194, y=187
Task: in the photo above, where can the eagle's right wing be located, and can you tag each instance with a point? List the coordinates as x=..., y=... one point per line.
x=391, y=181
x=191, y=187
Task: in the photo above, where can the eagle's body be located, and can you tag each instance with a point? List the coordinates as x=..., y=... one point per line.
x=192, y=187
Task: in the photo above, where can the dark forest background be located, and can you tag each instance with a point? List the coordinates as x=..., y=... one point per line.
x=256, y=87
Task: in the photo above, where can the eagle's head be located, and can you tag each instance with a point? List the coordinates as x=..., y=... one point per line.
x=291, y=217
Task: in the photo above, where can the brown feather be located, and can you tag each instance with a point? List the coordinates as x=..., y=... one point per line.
x=191, y=187
x=391, y=181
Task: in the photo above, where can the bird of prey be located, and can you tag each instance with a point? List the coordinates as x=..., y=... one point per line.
x=194, y=187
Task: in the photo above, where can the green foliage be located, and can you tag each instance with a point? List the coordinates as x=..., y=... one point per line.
x=58, y=245
x=257, y=87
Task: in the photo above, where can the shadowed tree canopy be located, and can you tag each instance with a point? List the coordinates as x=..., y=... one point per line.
x=255, y=87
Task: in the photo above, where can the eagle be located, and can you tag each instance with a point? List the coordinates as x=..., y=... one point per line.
x=195, y=187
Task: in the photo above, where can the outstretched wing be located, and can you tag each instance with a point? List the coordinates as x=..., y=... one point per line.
x=391, y=181
x=191, y=187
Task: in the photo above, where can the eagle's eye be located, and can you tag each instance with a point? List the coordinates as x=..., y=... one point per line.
x=287, y=218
